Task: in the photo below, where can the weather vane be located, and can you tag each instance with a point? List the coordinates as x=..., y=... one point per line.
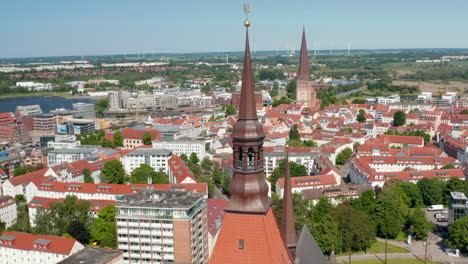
x=246, y=11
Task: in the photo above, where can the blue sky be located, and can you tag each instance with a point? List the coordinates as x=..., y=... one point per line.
x=88, y=27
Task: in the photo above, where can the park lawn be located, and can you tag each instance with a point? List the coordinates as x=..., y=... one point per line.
x=393, y=261
x=379, y=247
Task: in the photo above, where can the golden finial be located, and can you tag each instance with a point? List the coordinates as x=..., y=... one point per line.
x=246, y=11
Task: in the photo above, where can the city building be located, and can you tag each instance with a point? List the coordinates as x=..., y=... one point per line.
x=215, y=219
x=183, y=146
x=7, y=118
x=133, y=136
x=26, y=114
x=162, y=226
x=67, y=155
x=458, y=206
x=95, y=255
x=299, y=184
x=14, y=134
x=156, y=158
x=45, y=124
x=8, y=212
x=84, y=110
x=17, y=247
x=76, y=126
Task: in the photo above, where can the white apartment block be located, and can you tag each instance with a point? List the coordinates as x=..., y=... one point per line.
x=186, y=147
x=156, y=158
x=394, y=98
x=156, y=226
x=7, y=210
x=68, y=155
x=16, y=247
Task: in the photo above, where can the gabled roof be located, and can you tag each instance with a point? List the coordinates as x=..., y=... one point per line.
x=28, y=177
x=215, y=214
x=307, y=249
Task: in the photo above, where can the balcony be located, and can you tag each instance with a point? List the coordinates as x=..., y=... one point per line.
x=251, y=165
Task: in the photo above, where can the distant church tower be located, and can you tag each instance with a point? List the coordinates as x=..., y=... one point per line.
x=305, y=92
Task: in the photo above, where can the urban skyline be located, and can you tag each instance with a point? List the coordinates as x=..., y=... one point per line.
x=73, y=29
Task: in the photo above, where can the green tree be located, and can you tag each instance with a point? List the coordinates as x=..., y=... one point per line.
x=464, y=112
x=366, y=202
x=418, y=224
x=227, y=178
x=103, y=229
x=2, y=226
x=361, y=117
x=20, y=198
x=458, y=237
x=291, y=89
x=282, y=100
x=22, y=223
x=389, y=213
x=327, y=234
x=207, y=164
x=142, y=174
x=343, y=156
x=230, y=110
x=106, y=143
x=113, y=172
x=217, y=174
x=409, y=193
x=102, y=105
x=356, y=227
x=431, y=190
x=194, y=158
x=19, y=171
x=310, y=143
x=399, y=118
x=57, y=219
x=322, y=208
x=448, y=166
x=118, y=139
x=358, y=101
x=79, y=231
x=294, y=133
x=147, y=139
x=184, y=157
x=87, y=175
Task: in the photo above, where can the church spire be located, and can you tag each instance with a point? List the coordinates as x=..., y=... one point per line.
x=304, y=69
x=249, y=190
x=247, y=110
x=288, y=227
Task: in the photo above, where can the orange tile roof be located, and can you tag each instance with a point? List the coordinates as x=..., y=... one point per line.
x=45, y=202
x=314, y=180
x=24, y=241
x=261, y=238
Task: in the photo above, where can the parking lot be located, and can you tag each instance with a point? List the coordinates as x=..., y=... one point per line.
x=430, y=215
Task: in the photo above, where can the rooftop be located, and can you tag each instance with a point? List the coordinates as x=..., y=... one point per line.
x=160, y=199
x=458, y=195
x=150, y=151
x=92, y=255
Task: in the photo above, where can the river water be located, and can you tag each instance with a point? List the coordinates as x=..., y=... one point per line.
x=47, y=103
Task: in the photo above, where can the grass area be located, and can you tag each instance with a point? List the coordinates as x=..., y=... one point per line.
x=36, y=94
x=393, y=261
x=379, y=247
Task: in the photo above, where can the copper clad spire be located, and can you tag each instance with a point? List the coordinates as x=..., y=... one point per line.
x=304, y=69
x=247, y=108
x=249, y=190
x=288, y=227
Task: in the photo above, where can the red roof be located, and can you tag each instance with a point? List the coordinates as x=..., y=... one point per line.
x=45, y=202
x=215, y=214
x=6, y=201
x=24, y=241
x=67, y=187
x=28, y=177
x=257, y=233
x=179, y=169
x=314, y=180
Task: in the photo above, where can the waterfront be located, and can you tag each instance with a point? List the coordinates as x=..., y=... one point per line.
x=47, y=103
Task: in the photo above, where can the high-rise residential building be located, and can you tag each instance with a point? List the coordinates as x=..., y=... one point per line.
x=305, y=92
x=156, y=158
x=84, y=110
x=162, y=226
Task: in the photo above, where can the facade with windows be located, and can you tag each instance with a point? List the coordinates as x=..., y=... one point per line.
x=162, y=226
x=186, y=147
x=7, y=210
x=156, y=158
x=458, y=207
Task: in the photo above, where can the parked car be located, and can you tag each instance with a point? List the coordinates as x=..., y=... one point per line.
x=442, y=219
